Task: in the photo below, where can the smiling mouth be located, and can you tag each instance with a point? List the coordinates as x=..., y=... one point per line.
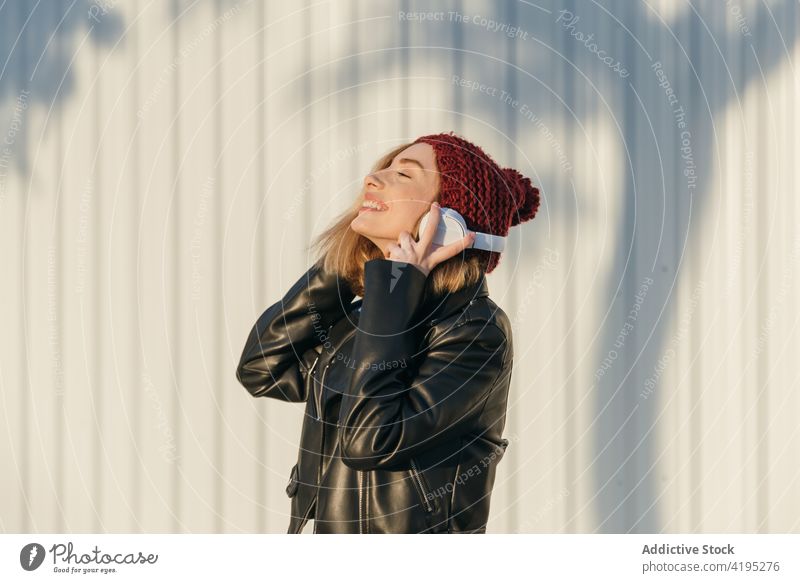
x=372, y=205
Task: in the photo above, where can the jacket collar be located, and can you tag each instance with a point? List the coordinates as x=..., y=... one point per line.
x=435, y=307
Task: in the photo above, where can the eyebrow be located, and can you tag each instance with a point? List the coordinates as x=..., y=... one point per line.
x=412, y=161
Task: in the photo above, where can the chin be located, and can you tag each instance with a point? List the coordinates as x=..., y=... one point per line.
x=368, y=230
x=357, y=228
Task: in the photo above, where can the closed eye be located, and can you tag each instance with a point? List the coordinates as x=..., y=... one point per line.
x=401, y=174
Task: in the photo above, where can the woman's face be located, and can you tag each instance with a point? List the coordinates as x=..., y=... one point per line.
x=404, y=192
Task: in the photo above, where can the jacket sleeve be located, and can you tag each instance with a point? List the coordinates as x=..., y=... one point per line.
x=388, y=415
x=270, y=365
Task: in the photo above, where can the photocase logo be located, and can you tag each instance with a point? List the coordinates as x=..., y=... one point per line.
x=31, y=556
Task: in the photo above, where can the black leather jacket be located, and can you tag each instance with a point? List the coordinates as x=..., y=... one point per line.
x=405, y=394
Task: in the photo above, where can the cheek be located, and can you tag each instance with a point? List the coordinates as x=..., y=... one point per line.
x=405, y=217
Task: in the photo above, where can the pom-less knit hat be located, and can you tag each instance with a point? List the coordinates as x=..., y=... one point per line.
x=490, y=198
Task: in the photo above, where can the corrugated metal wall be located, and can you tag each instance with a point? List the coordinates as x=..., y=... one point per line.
x=165, y=163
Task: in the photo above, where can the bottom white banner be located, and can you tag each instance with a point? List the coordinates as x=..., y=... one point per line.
x=510, y=557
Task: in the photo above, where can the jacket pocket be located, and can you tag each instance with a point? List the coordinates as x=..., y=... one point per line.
x=473, y=482
x=491, y=450
x=421, y=485
x=294, y=483
x=497, y=448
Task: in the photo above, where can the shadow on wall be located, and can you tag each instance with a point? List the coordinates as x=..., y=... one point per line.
x=38, y=42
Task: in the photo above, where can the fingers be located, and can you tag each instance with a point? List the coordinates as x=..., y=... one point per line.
x=403, y=250
x=406, y=241
x=451, y=250
x=406, y=249
x=426, y=238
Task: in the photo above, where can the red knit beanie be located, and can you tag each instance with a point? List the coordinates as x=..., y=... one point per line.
x=490, y=198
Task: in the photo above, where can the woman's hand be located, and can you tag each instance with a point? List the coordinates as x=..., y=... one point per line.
x=423, y=254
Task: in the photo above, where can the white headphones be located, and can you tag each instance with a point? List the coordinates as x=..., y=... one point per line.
x=452, y=227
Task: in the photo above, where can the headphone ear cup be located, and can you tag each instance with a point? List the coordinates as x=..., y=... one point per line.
x=453, y=231
x=448, y=231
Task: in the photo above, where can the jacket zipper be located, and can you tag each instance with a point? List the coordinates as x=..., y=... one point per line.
x=418, y=479
x=319, y=393
x=318, y=397
x=311, y=377
x=317, y=400
x=322, y=445
x=360, y=502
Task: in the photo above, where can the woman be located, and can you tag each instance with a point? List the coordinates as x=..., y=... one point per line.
x=405, y=388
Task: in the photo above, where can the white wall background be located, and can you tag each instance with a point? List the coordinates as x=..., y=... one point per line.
x=164, y=163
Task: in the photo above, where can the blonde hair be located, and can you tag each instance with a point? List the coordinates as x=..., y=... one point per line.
x=344, y=252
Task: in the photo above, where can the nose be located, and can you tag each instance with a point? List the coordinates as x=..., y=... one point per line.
x=372, y=181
